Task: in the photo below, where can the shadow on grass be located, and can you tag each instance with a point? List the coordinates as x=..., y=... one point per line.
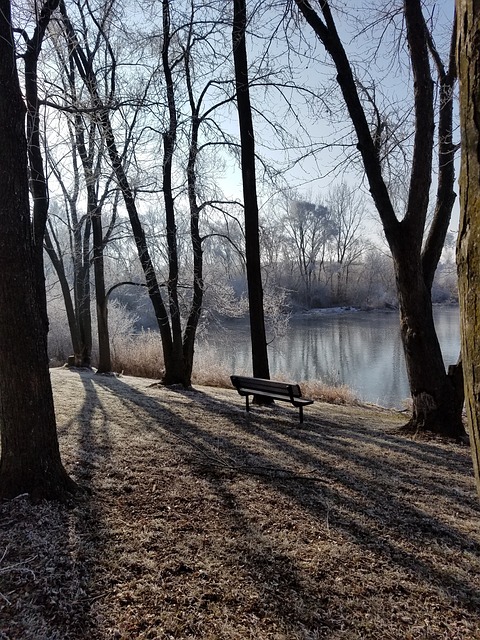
x=254, y=499
x=332, y=473
x=53, y=567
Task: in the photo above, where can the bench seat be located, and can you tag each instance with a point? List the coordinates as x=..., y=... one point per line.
x=283, y=391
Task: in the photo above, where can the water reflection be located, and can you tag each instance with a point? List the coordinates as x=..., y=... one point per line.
x=360, y=349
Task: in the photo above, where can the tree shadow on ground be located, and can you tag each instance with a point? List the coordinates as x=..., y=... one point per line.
x=338, y=475
x=205, y=522
x=53, y=565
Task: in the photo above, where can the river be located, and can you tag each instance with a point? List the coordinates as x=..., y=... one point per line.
x=361, y=349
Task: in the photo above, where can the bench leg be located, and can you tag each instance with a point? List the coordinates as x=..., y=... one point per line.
x=300, y=409
x=247, y=405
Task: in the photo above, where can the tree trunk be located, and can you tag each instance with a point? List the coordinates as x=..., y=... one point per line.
x=468, y=249
x=104, y=357
x=176, y=364
x=83, y=288
x=252, y=242
x=433, y=392
x=197, y=249
x=30, y=458
x=94, y=218
x=59, y=267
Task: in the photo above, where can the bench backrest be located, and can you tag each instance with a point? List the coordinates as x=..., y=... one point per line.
x=288, y=389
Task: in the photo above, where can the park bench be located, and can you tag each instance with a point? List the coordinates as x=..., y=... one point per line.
x=285, y=391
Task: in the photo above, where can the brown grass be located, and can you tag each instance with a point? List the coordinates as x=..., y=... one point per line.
x=203, y=522
x=339, y=394
x=141, y=355
x=138, y=354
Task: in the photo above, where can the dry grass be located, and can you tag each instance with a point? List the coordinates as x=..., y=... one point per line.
x=141, y=355
x=203, y=522
x=208, y=371
x=138, y=354
x=339, y=394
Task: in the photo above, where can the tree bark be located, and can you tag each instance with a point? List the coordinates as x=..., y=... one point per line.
x=94, y=217
x=104, y=356
x=30, y=457
x=468, y=248
x=83, y=292
x=433, y=392
x=252, y=242
x=58, y=265
x=196, y=239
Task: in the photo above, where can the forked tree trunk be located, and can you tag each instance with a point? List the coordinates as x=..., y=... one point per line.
x=30, y=458
x=468, y=250
x=436, y=405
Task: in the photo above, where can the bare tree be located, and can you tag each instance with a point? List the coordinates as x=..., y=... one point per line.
x=433, y=391
x=84, y=59
x=309, y=227
x=346, y=215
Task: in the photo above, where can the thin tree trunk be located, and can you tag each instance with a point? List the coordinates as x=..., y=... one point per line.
x=104, y=357
x=252, y=241
x=94, y=217
x=197, y=297
x=169, y=140
x=59, y=267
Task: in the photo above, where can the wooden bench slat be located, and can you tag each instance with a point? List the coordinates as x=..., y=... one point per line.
x=283, y=391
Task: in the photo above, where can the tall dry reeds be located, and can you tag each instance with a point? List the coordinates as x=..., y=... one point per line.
x=140, y=354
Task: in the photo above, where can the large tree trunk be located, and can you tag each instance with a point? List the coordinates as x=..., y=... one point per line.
x=30, y=458
x=468, y=255
x=252, y=241
x=433, y=391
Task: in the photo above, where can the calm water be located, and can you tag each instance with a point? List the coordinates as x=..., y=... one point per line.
x=360, y=349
